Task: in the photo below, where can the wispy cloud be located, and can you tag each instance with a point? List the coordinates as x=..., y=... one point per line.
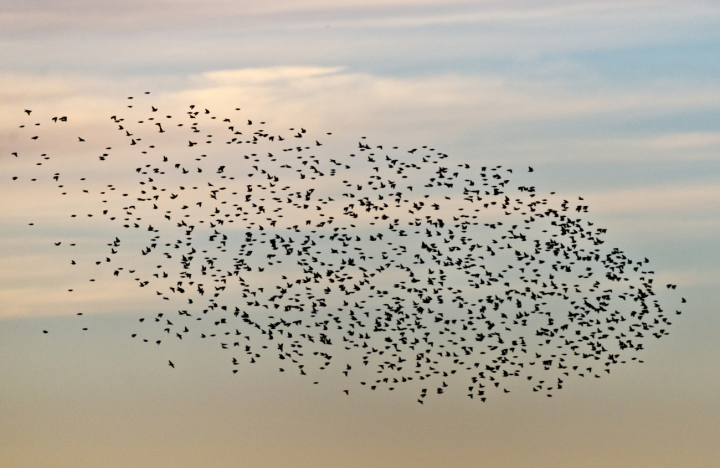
x=23, y=18
x=676, y=199
x=690, y=140
x=442, y=108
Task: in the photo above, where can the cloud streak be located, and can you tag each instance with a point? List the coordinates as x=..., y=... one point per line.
x=160, y=14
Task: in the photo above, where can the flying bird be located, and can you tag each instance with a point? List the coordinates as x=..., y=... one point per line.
x=388, y=267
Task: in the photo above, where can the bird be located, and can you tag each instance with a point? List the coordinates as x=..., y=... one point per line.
x=395, y=264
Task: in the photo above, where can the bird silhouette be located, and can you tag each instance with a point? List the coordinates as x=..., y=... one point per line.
x=385, y=266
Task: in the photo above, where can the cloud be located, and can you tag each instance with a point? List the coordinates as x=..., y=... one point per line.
x=266, y=76
x=667, y=200
x=660, y=147
x=430, y=104
x=464, y=112
x=466, y=116
x=556, y=21
x=690, y=140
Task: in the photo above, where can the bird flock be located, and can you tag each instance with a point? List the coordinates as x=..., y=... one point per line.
x=375, y=264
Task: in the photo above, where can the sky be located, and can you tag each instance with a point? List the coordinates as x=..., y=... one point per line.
x=616, y=102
